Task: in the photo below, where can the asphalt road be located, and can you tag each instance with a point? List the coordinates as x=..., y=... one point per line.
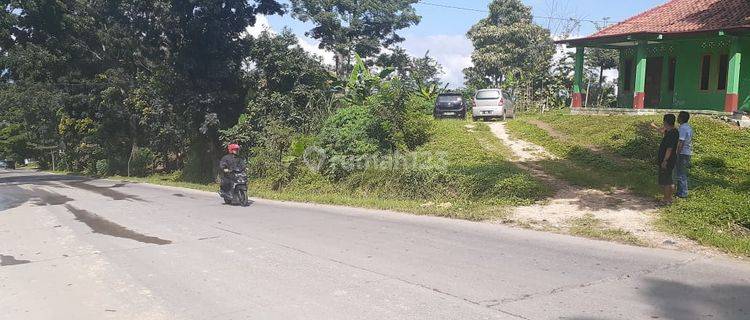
x=93, y=249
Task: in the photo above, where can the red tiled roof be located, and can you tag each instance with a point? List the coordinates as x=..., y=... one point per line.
x=684, y=16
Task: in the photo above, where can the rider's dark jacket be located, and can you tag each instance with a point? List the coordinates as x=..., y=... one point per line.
x=233, y=163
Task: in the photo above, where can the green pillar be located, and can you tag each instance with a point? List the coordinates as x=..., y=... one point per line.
x=733, y=78
x=578, y=78
x=639, y=99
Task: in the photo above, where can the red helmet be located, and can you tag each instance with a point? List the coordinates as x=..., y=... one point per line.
x=233, y=147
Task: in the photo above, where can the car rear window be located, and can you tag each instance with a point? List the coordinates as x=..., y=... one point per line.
x=488, y=95
x=449, y=99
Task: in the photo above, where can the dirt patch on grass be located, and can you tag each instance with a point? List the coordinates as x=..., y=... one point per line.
x=615, y=215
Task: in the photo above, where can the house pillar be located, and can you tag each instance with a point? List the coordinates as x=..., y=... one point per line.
x=733, y=78
x=578, y=78
x=639, y=98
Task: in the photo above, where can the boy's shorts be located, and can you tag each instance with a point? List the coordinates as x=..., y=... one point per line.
x=665, y=176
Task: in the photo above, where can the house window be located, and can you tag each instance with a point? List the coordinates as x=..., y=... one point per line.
x=672, y=73
x=706, y=72
x=723, y=71
x=627, y=77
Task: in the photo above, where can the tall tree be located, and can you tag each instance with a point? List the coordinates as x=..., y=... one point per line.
x=508, y=44
x=208, y=51
x=346, y=27
x=132, y=73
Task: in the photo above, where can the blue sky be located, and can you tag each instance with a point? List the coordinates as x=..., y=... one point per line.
x=442, y=31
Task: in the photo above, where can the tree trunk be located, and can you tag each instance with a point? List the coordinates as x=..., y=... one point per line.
x=133, y=140
x=340, y=68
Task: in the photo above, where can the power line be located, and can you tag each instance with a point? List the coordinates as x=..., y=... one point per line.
x=605, y=22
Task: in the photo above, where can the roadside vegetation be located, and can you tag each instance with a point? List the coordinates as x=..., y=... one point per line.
x=606, y=152
x=155, y=90
x=467, y=176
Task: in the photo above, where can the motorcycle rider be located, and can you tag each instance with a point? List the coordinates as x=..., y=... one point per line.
x=229, y=163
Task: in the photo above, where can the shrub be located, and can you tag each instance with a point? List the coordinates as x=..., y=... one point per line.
x=141, y=162
x=349, y=131
x=389, y=120
x=418, y=123
x=102, y=168
x=271, y=159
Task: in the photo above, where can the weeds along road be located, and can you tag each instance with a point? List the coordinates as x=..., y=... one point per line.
x=96, y=249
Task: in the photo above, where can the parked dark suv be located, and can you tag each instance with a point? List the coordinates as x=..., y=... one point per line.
x=450, y=105
x=7, y=164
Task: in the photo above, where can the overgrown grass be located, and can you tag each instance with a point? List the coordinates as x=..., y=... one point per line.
x=468, y=177
x=618, y=151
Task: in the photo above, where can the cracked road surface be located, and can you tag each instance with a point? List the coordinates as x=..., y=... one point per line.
x=94, y=249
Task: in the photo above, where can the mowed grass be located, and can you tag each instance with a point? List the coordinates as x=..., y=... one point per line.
x=619, y=152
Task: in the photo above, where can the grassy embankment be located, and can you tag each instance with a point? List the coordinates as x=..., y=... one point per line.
x=607, y=152
x=476, y=181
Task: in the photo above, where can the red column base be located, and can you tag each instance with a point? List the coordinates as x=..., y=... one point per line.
x=639, y=100
x=732, y=102
x=577, y=100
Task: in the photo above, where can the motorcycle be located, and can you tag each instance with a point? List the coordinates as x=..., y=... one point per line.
x=237, y=194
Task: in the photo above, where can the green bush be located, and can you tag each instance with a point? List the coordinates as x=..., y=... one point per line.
x=102, y=168
x=418, y=123
x=351, y=131
x=278, y=154
x=141, y=162
x=389, y=120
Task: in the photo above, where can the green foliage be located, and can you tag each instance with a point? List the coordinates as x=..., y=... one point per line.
x=508, y=42
x=102, y=168
x=352, y=131
x=420, y=73
x=418, y=123
x=346, y=27
x=269, y=158
x=157, y=74
x=292, y=85
x=141, y=162
x=380, y=116
x=14, y=143
x=460, y=173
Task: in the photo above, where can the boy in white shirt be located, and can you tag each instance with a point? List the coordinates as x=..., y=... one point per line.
x=684, y=154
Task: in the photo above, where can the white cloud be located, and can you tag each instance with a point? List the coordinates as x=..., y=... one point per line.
x=307, y=44
x=453, y=52
x=261, y=24
x=312, y=46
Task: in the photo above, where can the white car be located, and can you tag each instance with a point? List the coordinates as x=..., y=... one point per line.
x=491, y=104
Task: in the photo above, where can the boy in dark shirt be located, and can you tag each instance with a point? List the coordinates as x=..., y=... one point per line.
x=668, y=157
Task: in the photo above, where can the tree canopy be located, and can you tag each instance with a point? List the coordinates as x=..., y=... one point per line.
x=508, y=43
x=124, y=75
x=346, y=27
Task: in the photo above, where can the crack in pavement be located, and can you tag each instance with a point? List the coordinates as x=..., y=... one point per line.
x=387, y=276
x=670, y=266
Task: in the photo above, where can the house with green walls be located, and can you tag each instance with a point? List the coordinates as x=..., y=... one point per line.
x=684, y=54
